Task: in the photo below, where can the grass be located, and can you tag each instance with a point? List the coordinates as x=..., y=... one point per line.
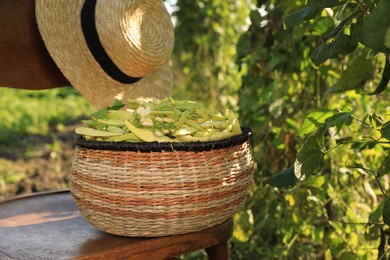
x=26, y=112
x=37, y=137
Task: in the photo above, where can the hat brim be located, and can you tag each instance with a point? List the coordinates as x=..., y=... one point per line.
x=60, y=28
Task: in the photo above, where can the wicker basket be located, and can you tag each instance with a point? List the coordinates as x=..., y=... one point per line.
x=159, y=189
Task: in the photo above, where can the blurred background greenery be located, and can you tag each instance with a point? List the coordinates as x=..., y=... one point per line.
x=274, y=62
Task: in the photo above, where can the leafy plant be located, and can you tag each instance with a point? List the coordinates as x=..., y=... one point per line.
x=206, y=34
x=325, y=62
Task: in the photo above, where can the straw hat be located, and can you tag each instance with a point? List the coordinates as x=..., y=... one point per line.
x=109, y=48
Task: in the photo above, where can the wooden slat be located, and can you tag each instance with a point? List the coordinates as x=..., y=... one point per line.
x=49, y=226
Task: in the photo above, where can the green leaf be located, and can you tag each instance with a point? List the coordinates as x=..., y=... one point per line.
x=385, y=166
x=343, y=23
x=360, y=146
x=375, y=32
x=385, y=79
x=358, y=72
x=356, y=27
x=385, y=130
x=255, y=17
x=116, y=105
x=339, y=119
x=323, y=25
x=314, y=120
x=243, y=45
x=102, y=113
x=305, y=14
x=325, y=3
x=343, y=44
x=310, y=157
x=386, y=211
x=283, y=180
x=376, y=214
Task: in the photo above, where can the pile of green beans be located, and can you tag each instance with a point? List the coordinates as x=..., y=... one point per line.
x=162, y=120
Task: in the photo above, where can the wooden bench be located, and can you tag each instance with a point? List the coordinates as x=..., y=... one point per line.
x=49, y=226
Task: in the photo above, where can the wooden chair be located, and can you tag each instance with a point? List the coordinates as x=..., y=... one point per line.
x=49, y=226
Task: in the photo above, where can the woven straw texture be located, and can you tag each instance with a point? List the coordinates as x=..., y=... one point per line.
x=134, y=193
x=137, y=35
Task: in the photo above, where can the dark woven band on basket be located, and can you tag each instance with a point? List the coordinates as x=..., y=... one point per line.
x=166, y=146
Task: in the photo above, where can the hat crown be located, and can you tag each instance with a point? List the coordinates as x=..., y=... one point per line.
x=94, y=41
x=137, y=35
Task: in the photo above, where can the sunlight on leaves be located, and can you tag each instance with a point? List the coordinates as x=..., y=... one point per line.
x=314, y=120
x=339, y=120
x=343, y=44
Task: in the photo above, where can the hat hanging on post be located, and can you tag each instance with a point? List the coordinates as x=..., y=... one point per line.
x=108, y=49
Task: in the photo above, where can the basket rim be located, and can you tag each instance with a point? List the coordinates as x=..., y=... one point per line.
x=166, y=146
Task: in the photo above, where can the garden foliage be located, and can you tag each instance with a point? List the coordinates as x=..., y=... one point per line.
x=314, y=77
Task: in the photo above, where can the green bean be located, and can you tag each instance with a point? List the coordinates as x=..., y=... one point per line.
x=146, y=135
x=93, y=132
x=182, y=119
x=115, y=129
x=125, y=137
x=120, y=114
x=113, y=122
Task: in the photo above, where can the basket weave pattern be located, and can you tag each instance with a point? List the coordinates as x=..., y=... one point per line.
x=160, y=193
